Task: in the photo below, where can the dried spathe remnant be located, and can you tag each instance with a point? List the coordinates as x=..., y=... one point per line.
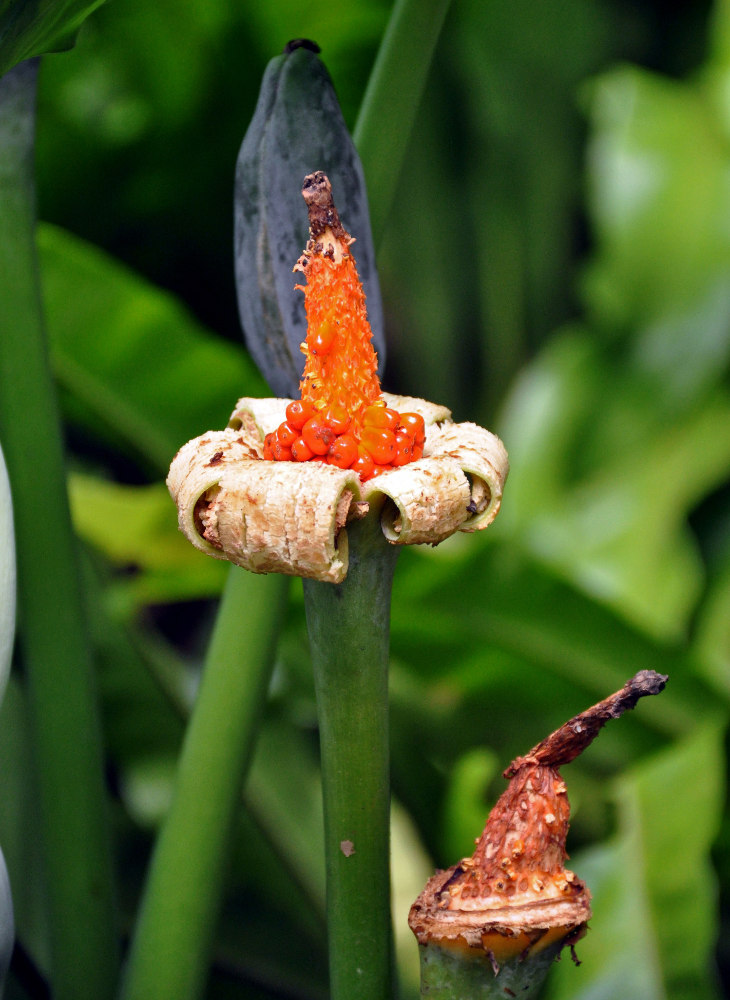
x=274, y=492
x=266, y=517
x=290, y=517
x=514, y=896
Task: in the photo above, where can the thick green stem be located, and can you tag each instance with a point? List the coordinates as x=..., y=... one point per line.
x=348, y=627
x=391, y=99
x=447, y=974
x=173, y=938
x=63, y=707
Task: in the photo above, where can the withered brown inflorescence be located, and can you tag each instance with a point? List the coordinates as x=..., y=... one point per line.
x=514, y=896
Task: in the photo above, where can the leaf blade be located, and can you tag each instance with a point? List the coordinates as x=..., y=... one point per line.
x=29, y=28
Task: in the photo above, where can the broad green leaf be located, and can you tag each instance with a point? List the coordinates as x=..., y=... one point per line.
x=622, y=534
x=543, y=423
x=658, y=195
x=135, y=367
x=135, y=527
x=605, y=472
x=31, y=27
x=652, y=932
x=473, y=627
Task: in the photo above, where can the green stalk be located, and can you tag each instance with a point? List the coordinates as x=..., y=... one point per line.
x=448, y=974
x=60, y=684
x=173, y=938
x=349, y=625
x=392, y=96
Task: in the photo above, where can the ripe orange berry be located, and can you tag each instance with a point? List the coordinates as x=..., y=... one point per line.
x=286, y=435
x=343, y=451
x=268, y=441
x=298, y=412
x=279, y=452
x=300, y=452
x=378, y=415
x=415, y=425
x=363, y=465
x=403, y=448
x=380, y=443
x=336, y=417
x=321, y=339
x=317, y=435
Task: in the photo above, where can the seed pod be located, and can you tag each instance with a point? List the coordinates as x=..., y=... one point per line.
x=297, y=128
x=492, y=924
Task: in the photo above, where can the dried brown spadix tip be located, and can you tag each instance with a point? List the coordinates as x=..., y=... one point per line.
x=323, y=216
x=514, y=898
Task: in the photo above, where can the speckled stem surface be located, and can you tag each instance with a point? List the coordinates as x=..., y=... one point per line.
x=349, y=627
x=451, y=975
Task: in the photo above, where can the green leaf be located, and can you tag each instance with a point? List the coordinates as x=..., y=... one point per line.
x=658, y=166
x=514, y=621
x=135, y=527
x=605, y=471
x=31, y=27
x=297, y=128
x=652, y=932
x=622, y=533
x=135, y=366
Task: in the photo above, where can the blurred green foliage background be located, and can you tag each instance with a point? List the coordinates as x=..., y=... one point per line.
x=556, y=266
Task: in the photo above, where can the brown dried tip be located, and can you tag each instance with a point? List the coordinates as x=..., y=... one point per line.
x=514, y=895
x=317, y=193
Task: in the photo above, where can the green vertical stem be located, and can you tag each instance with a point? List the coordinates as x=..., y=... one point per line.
x=453, y=974
x=172, y=942
x=392, y=96
x=349, y=625
x=60, y=683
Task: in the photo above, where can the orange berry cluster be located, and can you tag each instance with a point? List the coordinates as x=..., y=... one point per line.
x=381, y=439
x=341, y=418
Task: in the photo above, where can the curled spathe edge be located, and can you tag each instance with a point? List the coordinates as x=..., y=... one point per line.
x=291, y=517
